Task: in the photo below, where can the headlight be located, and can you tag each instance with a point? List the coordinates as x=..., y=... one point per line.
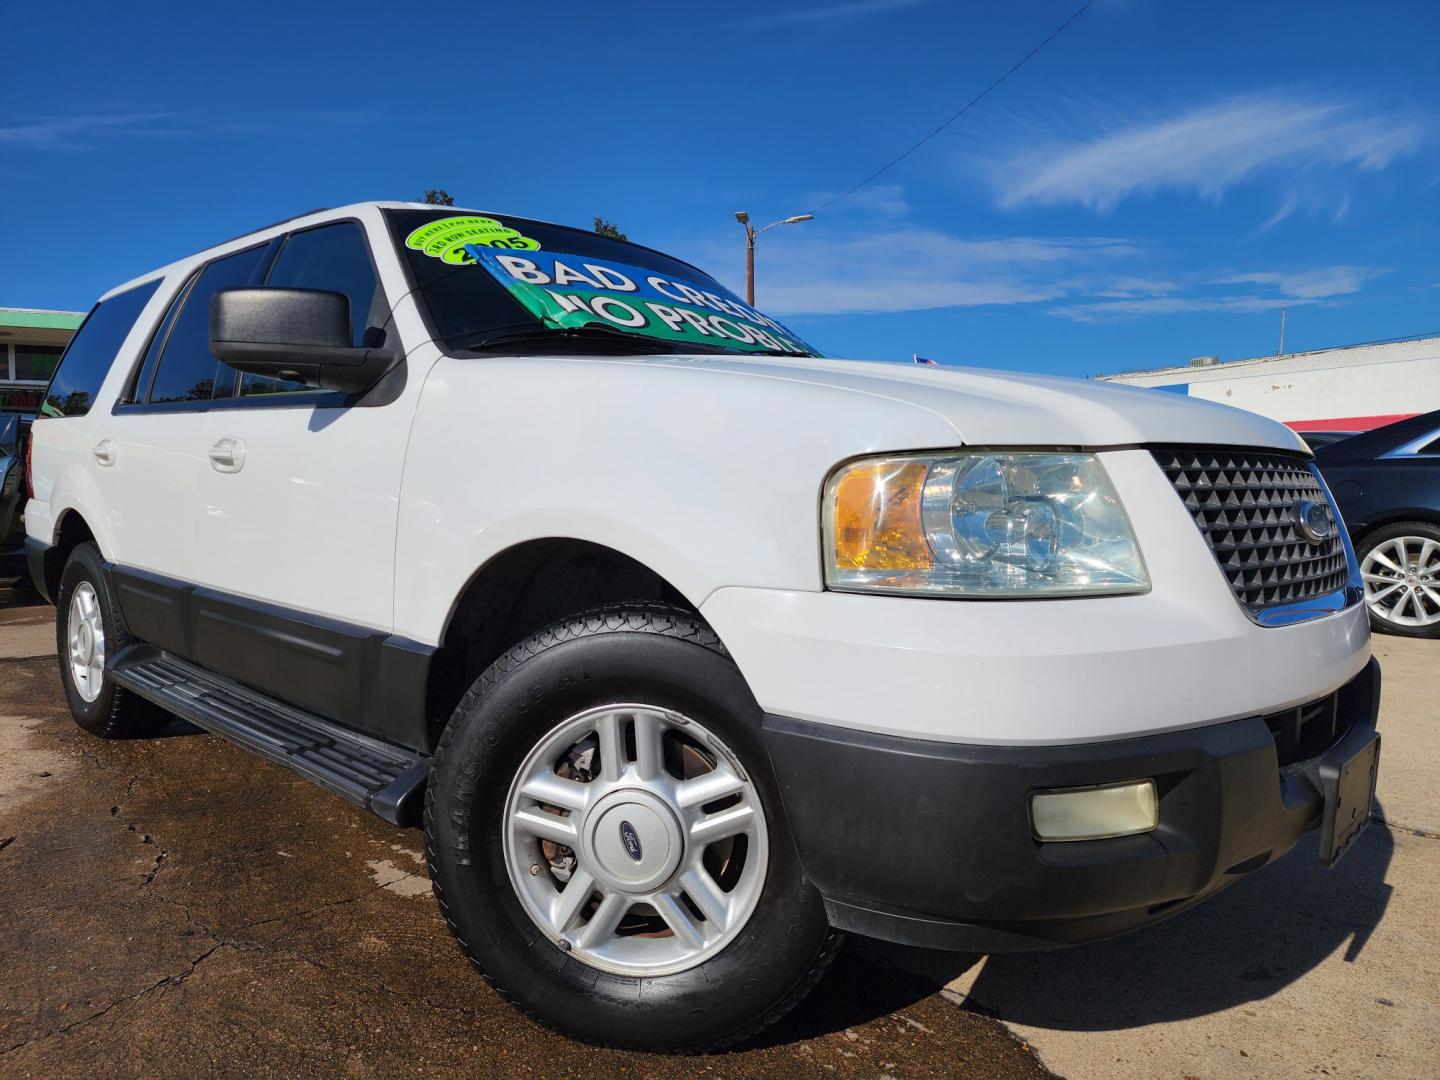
x=979, y=524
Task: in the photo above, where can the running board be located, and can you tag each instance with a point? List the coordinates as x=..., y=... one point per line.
x=370, y=773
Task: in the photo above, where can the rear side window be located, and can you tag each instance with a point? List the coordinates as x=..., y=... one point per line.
x=86, y=362
x=188, y=370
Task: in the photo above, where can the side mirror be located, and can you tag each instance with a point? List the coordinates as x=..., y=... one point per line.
x=299, y=334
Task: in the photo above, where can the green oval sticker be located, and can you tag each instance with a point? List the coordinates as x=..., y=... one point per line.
x=446, y=239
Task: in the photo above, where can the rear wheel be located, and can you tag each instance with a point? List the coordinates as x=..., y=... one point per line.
x=607, y=843
x=1401, y=568
x=88, y=631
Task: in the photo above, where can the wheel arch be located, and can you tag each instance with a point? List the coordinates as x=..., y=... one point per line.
x=71, y=530
x=1426, y=515
x=525, y=588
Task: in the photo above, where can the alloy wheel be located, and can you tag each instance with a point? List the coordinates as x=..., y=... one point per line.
x=635, y=840
x=1402, y=580
x=85, y=637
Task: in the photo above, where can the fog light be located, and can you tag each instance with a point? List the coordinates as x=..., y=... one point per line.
x=1096, y=812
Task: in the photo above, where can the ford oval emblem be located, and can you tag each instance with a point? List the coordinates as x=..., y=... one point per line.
x=1312, y=521
x=631, y=839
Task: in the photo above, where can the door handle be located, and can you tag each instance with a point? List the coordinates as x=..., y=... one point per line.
x=104, y=451
x=228, y=455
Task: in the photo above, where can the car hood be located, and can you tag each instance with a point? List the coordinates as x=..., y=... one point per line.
x=1004, y=408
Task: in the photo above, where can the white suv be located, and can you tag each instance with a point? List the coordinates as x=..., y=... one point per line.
x=693, y=649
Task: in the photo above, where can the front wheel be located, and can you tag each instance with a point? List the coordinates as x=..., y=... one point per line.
x=607, y=842
x=1400, y=565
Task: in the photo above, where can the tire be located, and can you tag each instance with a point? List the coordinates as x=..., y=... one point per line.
x=98, y=704
x=665, y=658
x=1403, y=560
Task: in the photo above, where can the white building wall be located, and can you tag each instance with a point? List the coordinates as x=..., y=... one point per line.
x=1357, y=387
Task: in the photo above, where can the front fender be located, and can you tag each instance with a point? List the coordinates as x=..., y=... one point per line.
x=710, y=478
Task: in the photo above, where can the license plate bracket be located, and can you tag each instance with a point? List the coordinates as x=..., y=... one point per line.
x=1348, y=783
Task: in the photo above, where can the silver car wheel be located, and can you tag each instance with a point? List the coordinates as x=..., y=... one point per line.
x=635, y=840
x=85, y=637
x=1402, y=580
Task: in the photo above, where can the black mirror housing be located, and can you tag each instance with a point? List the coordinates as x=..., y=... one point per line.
x=299, y=334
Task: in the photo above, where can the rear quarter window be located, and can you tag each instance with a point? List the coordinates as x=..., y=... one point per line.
x=92, y=350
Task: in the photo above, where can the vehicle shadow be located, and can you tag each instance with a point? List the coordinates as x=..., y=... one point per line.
x=862, y=986
x=15, y=588
x=1266, y=931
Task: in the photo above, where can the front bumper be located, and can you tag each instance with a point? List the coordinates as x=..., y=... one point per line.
x=929, y=843
x=1044, y=671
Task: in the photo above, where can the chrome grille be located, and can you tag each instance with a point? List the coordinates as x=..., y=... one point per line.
x=1243, y=502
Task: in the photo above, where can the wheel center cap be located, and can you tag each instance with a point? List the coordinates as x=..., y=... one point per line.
x=633, y=839
x=86, y=641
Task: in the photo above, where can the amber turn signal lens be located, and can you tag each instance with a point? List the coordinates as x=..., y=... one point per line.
x=876, y=523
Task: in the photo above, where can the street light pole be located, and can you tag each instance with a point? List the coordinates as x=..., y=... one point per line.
x=749, y=257
x=750, y=234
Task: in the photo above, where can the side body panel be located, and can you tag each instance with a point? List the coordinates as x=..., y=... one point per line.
x=1373, y=493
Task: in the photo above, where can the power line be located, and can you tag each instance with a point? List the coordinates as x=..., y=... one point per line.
x=968, y=106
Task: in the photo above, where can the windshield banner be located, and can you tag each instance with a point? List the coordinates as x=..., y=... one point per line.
x=566, y=291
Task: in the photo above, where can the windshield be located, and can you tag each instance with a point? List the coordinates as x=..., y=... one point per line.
x=490, y=281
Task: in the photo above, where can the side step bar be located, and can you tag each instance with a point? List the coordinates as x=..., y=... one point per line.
x=367, y=772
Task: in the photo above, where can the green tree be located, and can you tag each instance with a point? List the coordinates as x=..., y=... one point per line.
x=440, y=197
x=608, y=228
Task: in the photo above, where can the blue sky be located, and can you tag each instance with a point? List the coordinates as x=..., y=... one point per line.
x=1154, y=185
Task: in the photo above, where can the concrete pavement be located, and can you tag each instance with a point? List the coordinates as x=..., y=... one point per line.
x=25, y=631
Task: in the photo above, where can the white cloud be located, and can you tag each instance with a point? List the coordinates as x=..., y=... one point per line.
x=1202, y=150
x=872, y=259
x=1303, y=288
x=824, y=269
x=66, y=132
x=81, y=132
x=1110, y=310
x=838, y=11
x=1286, y=209
x=1308, y=284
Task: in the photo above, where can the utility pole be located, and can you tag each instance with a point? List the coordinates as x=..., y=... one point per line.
x=750, y=234
x=1282, y=331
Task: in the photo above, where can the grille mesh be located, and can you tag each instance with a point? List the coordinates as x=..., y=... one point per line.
x=1307, y=732
x=1242, y=502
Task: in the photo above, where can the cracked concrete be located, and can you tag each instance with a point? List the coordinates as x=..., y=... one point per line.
x=174, y=907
